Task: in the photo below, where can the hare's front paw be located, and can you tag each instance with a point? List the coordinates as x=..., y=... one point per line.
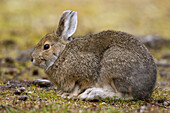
x=97, y=93
x=72, y=95
x=59, y=93
x=63, y=94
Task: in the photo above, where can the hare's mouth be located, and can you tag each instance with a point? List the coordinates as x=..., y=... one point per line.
x=34, y=62
x=40, y=64
x=43, y=65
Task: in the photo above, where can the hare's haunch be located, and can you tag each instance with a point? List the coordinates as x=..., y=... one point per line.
x=106, y=64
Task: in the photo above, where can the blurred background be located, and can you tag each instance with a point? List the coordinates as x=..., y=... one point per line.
x=27, y=22
x=24, y=22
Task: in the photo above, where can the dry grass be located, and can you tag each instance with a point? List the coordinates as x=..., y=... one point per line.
x=29, y=21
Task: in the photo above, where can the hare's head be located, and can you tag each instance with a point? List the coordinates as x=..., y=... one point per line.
x=49, y=48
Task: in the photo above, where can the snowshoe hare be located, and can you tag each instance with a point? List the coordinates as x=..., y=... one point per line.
x=106, y=64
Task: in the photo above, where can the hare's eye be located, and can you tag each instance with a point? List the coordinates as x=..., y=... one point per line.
x=46, y=46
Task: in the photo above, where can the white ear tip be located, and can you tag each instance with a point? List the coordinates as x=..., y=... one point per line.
x=74, y=12
x=69, y=11
x=66, y=11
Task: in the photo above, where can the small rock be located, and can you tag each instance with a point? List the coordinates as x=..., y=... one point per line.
x=22, y=89
x=163, y=63
x=163, y=73
x=29, y=92
x=103, y=103
x=167, y=103
x=43, y=83
x=19, y=90
x=163, y=83
x=154, y=41
x=24, y=98
x=142, y=109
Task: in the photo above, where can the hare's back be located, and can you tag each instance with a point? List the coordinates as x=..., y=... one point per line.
x=112, y=48
x=100, y=42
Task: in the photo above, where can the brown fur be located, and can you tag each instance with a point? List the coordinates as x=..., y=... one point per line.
x=109, y=58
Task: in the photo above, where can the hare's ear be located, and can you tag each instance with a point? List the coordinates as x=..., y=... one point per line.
x=67, y=25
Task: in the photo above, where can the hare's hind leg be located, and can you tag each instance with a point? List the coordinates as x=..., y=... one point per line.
x=97, y=93
x=59, y=93
x=63, y=94
x=73, y=94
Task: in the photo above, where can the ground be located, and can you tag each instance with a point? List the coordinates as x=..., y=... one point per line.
x=23, y=24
